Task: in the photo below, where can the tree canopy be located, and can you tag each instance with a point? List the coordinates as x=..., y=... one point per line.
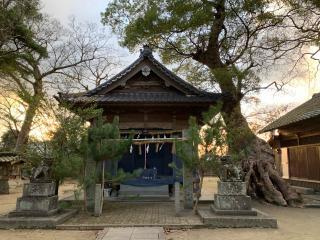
x=16, y=35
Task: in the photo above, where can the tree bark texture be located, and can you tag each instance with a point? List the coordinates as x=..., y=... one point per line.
x=262, y=178
x=31, y=111
x=27, y=123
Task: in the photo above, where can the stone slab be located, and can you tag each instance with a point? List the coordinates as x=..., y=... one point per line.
x=37, y=203
x=7, y=222
x=232, y=188
x=132, y=233
x=251, y=212
x=212, y=220
x=39, y=189
x=232, y=202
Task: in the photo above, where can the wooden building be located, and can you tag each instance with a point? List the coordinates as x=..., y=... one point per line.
x=10, y=169
x=153, y=102
x=296, y=139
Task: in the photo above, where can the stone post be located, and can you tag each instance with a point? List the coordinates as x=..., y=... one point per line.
x=97, y=201
x=187, y=183
x=90, y=172
x=177, y=198
x=187, y=188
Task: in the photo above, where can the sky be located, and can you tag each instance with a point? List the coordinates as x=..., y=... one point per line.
x=299, y=90
x=303, y=85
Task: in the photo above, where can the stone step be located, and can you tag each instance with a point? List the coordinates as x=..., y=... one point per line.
x=250, y=212
x=304, y=190
x=134, y=191
x=131, y=233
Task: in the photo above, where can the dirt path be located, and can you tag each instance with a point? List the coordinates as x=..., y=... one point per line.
x=46, y=235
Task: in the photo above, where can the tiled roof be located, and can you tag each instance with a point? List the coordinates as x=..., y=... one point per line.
x=192, y=93
x=307, y=110
x=8, y=157
x=146, y=53
x=141, y=97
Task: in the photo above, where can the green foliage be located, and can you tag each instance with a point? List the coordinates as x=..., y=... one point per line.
x=8, y=140
x=122, y=176
x=104, y=140
x=67, y=147
x=186, y=25
x=16, y=35
x=203, y=147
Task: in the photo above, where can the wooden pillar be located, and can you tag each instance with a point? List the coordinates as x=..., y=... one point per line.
x=187, y=183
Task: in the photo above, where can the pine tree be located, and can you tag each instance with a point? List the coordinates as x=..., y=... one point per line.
x=203, y=147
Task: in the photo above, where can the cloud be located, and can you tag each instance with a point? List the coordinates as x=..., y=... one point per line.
x=83, y=10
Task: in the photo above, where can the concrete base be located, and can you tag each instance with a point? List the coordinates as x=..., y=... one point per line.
x=7, y=222
x=213, y=220
x=250, y=212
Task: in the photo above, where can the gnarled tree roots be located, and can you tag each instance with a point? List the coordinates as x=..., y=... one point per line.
x=262, y=178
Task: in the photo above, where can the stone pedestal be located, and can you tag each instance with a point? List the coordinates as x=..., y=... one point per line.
x=231, y=199
x=232, y=209
x=38, y=199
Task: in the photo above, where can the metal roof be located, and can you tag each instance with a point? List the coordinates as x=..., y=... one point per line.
x=307, y=110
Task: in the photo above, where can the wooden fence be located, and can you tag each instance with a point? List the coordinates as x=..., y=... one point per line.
x=304, y=162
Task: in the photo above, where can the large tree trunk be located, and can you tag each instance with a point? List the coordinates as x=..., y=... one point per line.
x=258, y=162
x=33, y=106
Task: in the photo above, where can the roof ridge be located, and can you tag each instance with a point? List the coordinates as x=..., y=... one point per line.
x=146, y=53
